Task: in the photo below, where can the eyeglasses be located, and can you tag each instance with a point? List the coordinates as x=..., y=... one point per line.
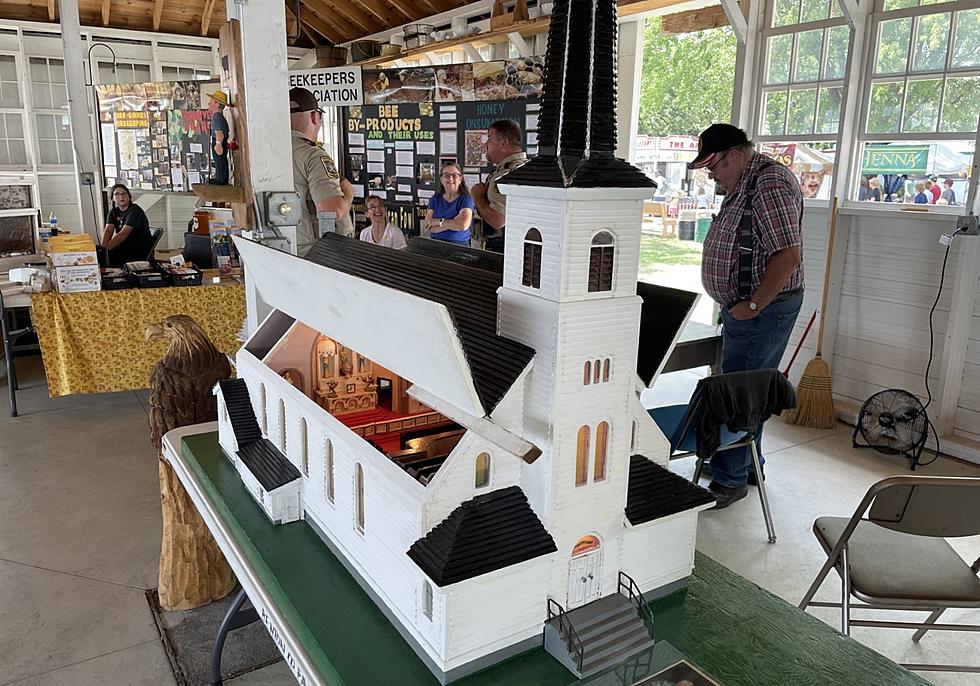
x=372, y=208
x=451, y=175
x=120, y=194
x=711, y=167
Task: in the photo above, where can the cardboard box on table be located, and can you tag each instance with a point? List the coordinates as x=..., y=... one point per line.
x=72, y=251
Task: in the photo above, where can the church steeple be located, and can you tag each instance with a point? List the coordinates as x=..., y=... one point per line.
x=577, y=126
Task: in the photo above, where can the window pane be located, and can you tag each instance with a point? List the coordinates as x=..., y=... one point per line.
x=835, y=10
x=828, y=114
x=785, y=12
x=42, y=96
x=171, y=73
x=960, y=104
x=64, y=151
x=45, y=125
x=64, y=130
x=59, y=96
x=893, y=46
x=15, y=126
x=18, y=152
x=922, y=106
x=8, y=68
x=931, y=42
x=141, y=72
x=48, y=152
x=814, y=10
x=966, y=44
x=39, y=70
x=802, y=104
x=836, y=59
x=57, y=71
x=885, y=107
x=9, y=96
x=808, y=48
x=899, y=4
x=780, y=53
x=774, y=113
x=106, y=74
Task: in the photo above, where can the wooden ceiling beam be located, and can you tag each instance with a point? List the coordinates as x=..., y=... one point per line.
x=105, y=12
x=413, y=9
x=316, y=30
x=325, y=26
x=381, y=10
x=206, y=16
x=363, y=22
x=157, y=14
x=51, y=10
x=695, y=20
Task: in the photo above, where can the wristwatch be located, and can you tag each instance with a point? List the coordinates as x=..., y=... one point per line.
x=440, y=222
x=753, y=305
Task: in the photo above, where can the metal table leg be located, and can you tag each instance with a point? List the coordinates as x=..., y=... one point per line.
x=235, y=618
x=8, y=355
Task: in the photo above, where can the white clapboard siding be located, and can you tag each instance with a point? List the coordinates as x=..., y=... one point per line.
x=966, y=422
x=660, y=552
x=814, y=255
x=889, y=282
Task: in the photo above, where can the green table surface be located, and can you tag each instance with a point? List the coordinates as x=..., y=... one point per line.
x=724, y=624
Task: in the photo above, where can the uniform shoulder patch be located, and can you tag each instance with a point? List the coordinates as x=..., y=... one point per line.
x=329, y=167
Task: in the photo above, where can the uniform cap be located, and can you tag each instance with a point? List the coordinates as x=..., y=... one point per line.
x=302, y=100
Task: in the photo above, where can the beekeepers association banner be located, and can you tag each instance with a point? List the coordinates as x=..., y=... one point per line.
x=333, y=86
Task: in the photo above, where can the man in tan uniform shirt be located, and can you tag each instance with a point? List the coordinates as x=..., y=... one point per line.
x=315, y=176
x=504, y=150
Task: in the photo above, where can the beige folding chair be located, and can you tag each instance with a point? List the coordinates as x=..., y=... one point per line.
x=891, y=554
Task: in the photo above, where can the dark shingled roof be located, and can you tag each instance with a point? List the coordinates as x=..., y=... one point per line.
x=482, y=535
x=453, y=252
x=469, y=294
x=240, y=412
x=661, y=317
x=655, y=492
x=267, y=464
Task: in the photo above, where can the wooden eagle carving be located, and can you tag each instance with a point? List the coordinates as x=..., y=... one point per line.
x=182, y=382
x=193, y=571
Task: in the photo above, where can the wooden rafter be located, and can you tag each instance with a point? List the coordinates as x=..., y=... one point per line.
x=51, y=10
x=315, y=30
x=382, y=9
x=363, y=23
x=157, y=14
x=324, y=25
x=105, y=12
x=413, y=9
x=206, y=16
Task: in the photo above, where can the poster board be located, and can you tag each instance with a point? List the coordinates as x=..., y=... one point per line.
x=415, y=120
x=156, y=136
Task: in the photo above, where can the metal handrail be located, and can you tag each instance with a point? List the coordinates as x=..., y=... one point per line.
x=633, y=592
x=567, y=632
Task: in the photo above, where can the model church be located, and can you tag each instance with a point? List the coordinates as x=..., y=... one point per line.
x=465, y=432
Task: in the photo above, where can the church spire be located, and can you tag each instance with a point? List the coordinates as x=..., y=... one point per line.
x=577, y=126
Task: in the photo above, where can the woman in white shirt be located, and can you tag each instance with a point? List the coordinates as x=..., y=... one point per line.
x=380, y=231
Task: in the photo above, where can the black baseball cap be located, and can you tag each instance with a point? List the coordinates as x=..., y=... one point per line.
x=714, y=140
x=302, y=100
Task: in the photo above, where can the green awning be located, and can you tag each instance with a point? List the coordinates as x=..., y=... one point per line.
x=895, y=159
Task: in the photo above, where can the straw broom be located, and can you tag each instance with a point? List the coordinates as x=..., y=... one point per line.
x=814, y=396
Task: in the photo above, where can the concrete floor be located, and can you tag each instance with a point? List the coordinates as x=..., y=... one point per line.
x=79, y=541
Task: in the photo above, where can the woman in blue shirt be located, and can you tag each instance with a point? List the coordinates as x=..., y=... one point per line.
x=451, y=208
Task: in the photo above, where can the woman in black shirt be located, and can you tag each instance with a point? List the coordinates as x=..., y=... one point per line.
x=127, y=230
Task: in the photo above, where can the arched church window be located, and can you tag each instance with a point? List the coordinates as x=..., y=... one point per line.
x=601, y=258
x=532, y=259
x=582, y=457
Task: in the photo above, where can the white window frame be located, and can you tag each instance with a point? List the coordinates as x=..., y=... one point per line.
x=57, y=112
x=877, y=18
x=131, y=63
x=22, y=113
x=198, y=73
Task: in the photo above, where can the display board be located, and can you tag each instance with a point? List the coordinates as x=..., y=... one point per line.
x=417, y=119
x=156, y=136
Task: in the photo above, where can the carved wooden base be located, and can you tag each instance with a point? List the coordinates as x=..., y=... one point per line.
x=193, y=571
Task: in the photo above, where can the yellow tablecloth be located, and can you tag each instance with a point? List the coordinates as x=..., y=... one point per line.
x=94, y=342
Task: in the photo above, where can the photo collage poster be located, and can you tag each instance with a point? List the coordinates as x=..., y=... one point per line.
x=417, y=119
x=156, y=136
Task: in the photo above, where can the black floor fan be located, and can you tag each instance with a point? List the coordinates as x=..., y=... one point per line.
x=893, y=422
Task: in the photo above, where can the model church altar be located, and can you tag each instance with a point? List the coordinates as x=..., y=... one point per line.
x=470, y=442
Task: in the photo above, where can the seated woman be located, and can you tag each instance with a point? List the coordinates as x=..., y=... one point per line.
x=381, y=231
x=451, y=208
x=127, y=230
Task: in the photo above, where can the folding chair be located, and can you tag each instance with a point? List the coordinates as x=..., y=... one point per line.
x=679, y=423
x=891, y=554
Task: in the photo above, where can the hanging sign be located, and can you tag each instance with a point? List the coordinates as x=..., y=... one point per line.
x=784, y=153
x=333, y=86
x=895, y=159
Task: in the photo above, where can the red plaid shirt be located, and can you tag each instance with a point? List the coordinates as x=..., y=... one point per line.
x=776, y=209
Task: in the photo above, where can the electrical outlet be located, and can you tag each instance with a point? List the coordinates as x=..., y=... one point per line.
x=968, y=222
x=87, y=178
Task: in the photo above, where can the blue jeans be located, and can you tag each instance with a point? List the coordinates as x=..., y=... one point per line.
x=757, y=343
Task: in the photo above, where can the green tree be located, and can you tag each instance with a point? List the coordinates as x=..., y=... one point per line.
x=687, y=80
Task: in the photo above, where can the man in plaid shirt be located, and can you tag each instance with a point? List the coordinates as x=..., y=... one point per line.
x=752, y=267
